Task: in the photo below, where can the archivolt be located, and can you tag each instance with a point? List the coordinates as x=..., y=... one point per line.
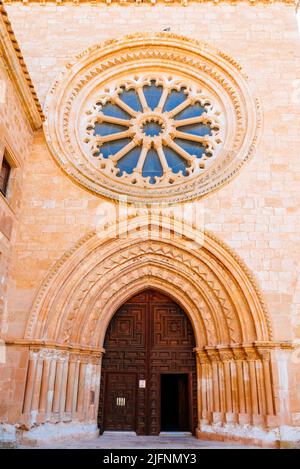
x=87, y=285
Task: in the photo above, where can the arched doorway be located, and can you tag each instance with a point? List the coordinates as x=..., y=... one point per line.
x=148, y=382
x=235, y=353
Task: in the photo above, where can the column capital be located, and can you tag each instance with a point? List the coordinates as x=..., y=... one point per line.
x=239, y=353
x=201, y=355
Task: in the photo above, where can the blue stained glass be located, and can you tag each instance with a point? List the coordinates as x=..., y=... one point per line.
x=173, y=100
x=196, y=129
x=194, y=110
x=175, y=161
x=193, y=148
x=110, y=148
x=131, y=99
x=129, y=161
x=152, y=94
x=106, y=128
x=152, y=166
x=115, y=111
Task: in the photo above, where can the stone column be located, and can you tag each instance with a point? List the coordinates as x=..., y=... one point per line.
x=44, y=387
x=226, y=357
x=33, y=357
x=63, y=392
x=87, y=389
x=199, y=388
x=234, y=390
x=57, y=387
x=260, y=388
x=215, y=358
x=239, y=355
x=70, y=385
x=268, y=391
x=36, y=389
x=251, y=356
x=75, y=386
x=206, y=387
x=50, y=391
x=98, y=384
x=81, y=388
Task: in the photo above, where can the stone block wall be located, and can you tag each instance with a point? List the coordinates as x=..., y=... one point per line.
x=256, y=214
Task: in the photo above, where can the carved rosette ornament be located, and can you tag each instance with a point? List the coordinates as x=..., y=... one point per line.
x=152, y=117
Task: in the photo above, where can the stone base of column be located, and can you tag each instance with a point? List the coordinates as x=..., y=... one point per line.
x=272, y=421
x=8, y=438
x=243, y=434
x=231, y=417
x=218, y=417
x=244, y=418
x=55, y=432
x=289, y=437
x=257, y=420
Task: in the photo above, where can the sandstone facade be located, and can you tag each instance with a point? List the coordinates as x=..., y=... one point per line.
x=48, y=225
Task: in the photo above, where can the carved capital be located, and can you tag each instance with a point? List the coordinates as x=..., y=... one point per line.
x=239, y=354
x=226, y=355
x=213, y=355
x=251, y=353
x=202, y=356
x=264, y=354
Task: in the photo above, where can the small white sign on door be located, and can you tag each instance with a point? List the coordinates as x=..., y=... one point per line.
x=142, y=383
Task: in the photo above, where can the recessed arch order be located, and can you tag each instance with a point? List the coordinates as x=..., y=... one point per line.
x=210, y=282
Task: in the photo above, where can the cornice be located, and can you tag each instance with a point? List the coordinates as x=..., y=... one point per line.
x=14, y=62
x=151, y=2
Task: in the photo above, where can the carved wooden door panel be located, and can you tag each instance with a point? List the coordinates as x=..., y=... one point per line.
x=120, y=401
x=148, y=335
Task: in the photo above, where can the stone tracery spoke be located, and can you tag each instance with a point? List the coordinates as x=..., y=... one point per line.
x=116, y=100
x=142, y=158
x=162, y=159
x=111, y=137
x=142, y=99
x=181, y=151
x=112, y=120
x=117, y=156
x=195, y=138
x=180, y=107
x=192, y=120
x=162, y=100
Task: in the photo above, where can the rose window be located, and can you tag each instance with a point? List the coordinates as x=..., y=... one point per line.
x=151, y=118
x=152, y=131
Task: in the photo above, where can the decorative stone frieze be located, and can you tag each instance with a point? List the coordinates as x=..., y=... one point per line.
x=148, y=2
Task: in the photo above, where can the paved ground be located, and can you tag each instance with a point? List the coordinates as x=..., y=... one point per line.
x=122, y=441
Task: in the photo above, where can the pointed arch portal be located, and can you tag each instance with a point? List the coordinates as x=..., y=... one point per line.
x=76, y=306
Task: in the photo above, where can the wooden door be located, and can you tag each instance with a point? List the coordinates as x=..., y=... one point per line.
x=120, y=401
x=148, y=335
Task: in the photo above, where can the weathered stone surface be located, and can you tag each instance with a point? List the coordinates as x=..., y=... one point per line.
x=55, y=228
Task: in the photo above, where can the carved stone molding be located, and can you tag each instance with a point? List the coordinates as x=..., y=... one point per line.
x=101, y=274
x=184, y=3
x=77, y=102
